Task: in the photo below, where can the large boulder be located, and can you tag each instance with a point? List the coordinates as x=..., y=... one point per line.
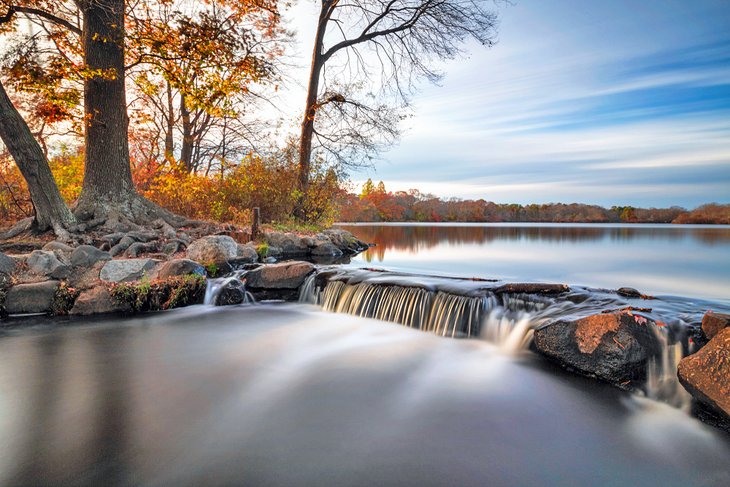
x=87, y=256
x=326, y=249
x=45, y=263
x=126, y=270
x=706, y=374
x=180, y=267
x=713, y=323
x=289, y=243
x=614, y=347
x=213, y=249
x=35, y=297
x=345, y=241
x=231, y=292
x=98, y=300
x=285, y=275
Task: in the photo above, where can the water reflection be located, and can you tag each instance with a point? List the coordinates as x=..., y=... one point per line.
x=284, y=395
x=665, y=259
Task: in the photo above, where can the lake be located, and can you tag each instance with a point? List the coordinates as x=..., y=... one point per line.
x=680, y=260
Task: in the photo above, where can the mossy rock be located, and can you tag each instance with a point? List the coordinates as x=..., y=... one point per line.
x=173, y=292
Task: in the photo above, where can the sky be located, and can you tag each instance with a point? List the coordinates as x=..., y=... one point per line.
x=592, y=101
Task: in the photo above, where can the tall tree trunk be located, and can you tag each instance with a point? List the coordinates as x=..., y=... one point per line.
x=310, y=110
x=50, y=209
x=107, y=173
x=186, y=153
x=169, y=126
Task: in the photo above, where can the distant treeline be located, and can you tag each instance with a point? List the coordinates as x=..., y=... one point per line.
x=375, y=204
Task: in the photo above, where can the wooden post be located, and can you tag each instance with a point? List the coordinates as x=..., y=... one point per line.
x=256, y=224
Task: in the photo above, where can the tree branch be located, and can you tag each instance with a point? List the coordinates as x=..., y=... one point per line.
x=13, y=9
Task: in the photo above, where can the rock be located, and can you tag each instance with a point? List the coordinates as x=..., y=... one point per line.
x=55, y=245
x=289, y=243
x=180, y=267
x=126, y=270
x=713, y=323
x=269, y=260
x=614, y=347
x=36, y=297
x=213, y=249
x=97, y=301
x=532, y=288
x=247, y=254
x=173, y=246
x=706, y=374
x=326, y=249
x=285, y=275
x=87, y=256
x=275, y=251
x=345, y=241
x=123, y=245
x=628, y=292
x=232, y=292
x=45, y=263
x=7, y=264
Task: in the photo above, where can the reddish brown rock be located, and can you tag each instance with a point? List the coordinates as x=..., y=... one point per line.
x=706, y=374
x=96, y=301
x=713, y=323
x=287, y=275
x=614, y=347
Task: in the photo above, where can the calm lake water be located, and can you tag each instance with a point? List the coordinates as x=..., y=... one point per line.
x=681, y=260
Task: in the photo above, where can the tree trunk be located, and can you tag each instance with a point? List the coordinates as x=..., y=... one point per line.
x=107, y=173
x=50, y=209
x=186, y=154
x=310, y=111
x=169, y=126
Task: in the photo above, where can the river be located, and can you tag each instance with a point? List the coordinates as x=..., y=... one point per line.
x=680, y=260
x=279, y=394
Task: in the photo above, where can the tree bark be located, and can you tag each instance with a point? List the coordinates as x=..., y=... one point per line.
x=107, y=172
x=50, y=209
x=310, y=110
x=170, y=126
x=186, y=153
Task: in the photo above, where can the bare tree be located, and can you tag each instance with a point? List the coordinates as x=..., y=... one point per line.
x=390, y=44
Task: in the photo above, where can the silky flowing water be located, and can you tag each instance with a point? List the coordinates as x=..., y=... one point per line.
x=285, y=394
x=374, y=378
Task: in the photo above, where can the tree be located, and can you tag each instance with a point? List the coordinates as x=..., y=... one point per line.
x=367, y=189
x=399, y=38
x=108, y=190
x=197, y=65
x=50, y=209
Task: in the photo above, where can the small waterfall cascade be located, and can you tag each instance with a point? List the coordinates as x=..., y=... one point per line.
x=218, y=286
x=662, y=383
x=436, y=311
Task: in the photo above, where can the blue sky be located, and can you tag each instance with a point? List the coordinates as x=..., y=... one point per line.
x=593, y=101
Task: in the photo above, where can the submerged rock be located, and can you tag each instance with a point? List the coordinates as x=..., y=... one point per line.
x=213, y=249
x=713, y=323
x=614, y=347
x=706, y=374
x=35, y=297
x=232, y=292
x=285, y=275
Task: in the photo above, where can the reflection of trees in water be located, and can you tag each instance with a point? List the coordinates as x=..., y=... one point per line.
x=420, y=237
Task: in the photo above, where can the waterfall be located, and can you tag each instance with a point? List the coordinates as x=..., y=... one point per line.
x=662, y=383
x=500, y=320
x=216, y=287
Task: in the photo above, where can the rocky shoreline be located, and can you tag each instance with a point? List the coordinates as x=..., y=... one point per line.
x=136, y=272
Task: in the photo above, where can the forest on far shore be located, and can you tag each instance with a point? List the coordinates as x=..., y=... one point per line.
x=375, y=204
